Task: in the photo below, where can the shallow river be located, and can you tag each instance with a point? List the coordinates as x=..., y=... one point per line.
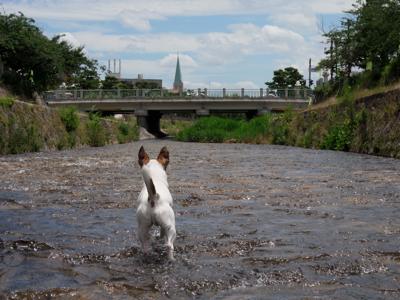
x=253, y=222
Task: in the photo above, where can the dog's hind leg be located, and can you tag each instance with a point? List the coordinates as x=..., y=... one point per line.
x=145, y=241
x=144, y=238
x=170, y=238
x=163, y=234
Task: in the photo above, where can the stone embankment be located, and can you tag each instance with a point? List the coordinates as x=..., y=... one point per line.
x=27, y=127
x=368, y=125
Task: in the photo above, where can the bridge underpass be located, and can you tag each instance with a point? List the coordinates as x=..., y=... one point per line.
x=149, y=105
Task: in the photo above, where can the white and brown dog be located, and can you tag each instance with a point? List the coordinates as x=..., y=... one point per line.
x=155, y=201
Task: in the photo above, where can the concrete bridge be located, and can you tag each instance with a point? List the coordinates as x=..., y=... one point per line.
x=149, y=105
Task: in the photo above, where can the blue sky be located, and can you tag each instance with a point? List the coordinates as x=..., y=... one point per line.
x=222, y=43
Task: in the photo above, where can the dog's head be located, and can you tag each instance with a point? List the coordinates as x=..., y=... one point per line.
x=162, y=159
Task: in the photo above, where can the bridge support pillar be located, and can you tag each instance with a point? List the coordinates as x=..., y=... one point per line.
x=202, y=112
x=263, y=111
x=251, y=114
x=150, y=120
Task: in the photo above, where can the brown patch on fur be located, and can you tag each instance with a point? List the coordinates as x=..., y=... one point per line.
x=163, y=157
x=143, y=157
x=152, y=193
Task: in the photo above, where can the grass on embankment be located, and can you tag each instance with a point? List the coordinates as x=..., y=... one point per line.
x=356, y=93
x=26, y=127
x=368, y=125
x=267, y=129
x=172, y=126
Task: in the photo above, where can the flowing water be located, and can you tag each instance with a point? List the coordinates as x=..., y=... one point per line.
x=253, y=222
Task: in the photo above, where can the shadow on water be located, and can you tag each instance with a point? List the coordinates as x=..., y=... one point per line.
x=253, y=222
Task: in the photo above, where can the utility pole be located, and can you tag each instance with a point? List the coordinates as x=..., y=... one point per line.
x=1, y=67
x=347, y=53
x=309, y=73
x=332, y=65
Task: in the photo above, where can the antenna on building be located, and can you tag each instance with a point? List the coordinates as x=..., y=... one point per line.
x=114, y=72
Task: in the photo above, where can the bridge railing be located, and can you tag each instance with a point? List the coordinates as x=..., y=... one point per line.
x=100, y=94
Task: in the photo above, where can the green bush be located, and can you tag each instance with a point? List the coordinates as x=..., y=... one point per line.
x=255, y=128
x=324, y=91
x=210, y=129
x=70, y=118
x=366, y=79
x=128, y=131
x=63, y=142
x=172, y=126
x=3, y=138
x=218, y=129
x=23, y=138
x=95, y=131
x=310, y=138
x=391, y=72
x=339, y=137
x=280, y=127
x=6, y=102
x=123, y=128
x=279, y=131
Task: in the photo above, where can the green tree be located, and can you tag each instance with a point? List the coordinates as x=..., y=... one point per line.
x=76, y=68
x=86, y=77
x=33, y=62
x=29, y=57
x=341, y=50
x=377, y=32
x=111, y=82
x=368, y=39
x=284, y=78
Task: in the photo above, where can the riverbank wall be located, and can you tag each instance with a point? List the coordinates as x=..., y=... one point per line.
x=368, y=125
x=26, y=127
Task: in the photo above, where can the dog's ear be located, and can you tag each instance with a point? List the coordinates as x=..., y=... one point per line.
x=143, y=157
x=163, y=157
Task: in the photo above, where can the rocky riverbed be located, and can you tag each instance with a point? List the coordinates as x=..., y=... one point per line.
x=253, y=222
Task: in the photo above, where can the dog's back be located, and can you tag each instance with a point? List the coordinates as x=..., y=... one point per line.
x=155, y=200
x=155, y=182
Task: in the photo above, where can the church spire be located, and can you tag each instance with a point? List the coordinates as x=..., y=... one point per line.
x=178, y=84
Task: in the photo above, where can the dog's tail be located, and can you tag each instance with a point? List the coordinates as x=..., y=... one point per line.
x=151, y=189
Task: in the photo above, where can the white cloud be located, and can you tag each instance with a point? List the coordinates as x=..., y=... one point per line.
x=330, y=7
x=150, y=43
x=139, y=14
x=246, y=85
x=214, y=48
x=169, y=61
x=289, y=38
x=137, y=19
x=215, y=85
x=296, y=21
x=149, y=68
x=157, y=68
x=70, y=39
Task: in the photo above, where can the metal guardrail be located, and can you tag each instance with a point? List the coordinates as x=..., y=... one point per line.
x=100, y=94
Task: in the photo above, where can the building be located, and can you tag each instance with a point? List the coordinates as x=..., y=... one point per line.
x=116, y=73
x=178, y=84
x=141, y=83
x=114, y=70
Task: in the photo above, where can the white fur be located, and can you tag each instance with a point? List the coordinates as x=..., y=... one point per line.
x=162, y=213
